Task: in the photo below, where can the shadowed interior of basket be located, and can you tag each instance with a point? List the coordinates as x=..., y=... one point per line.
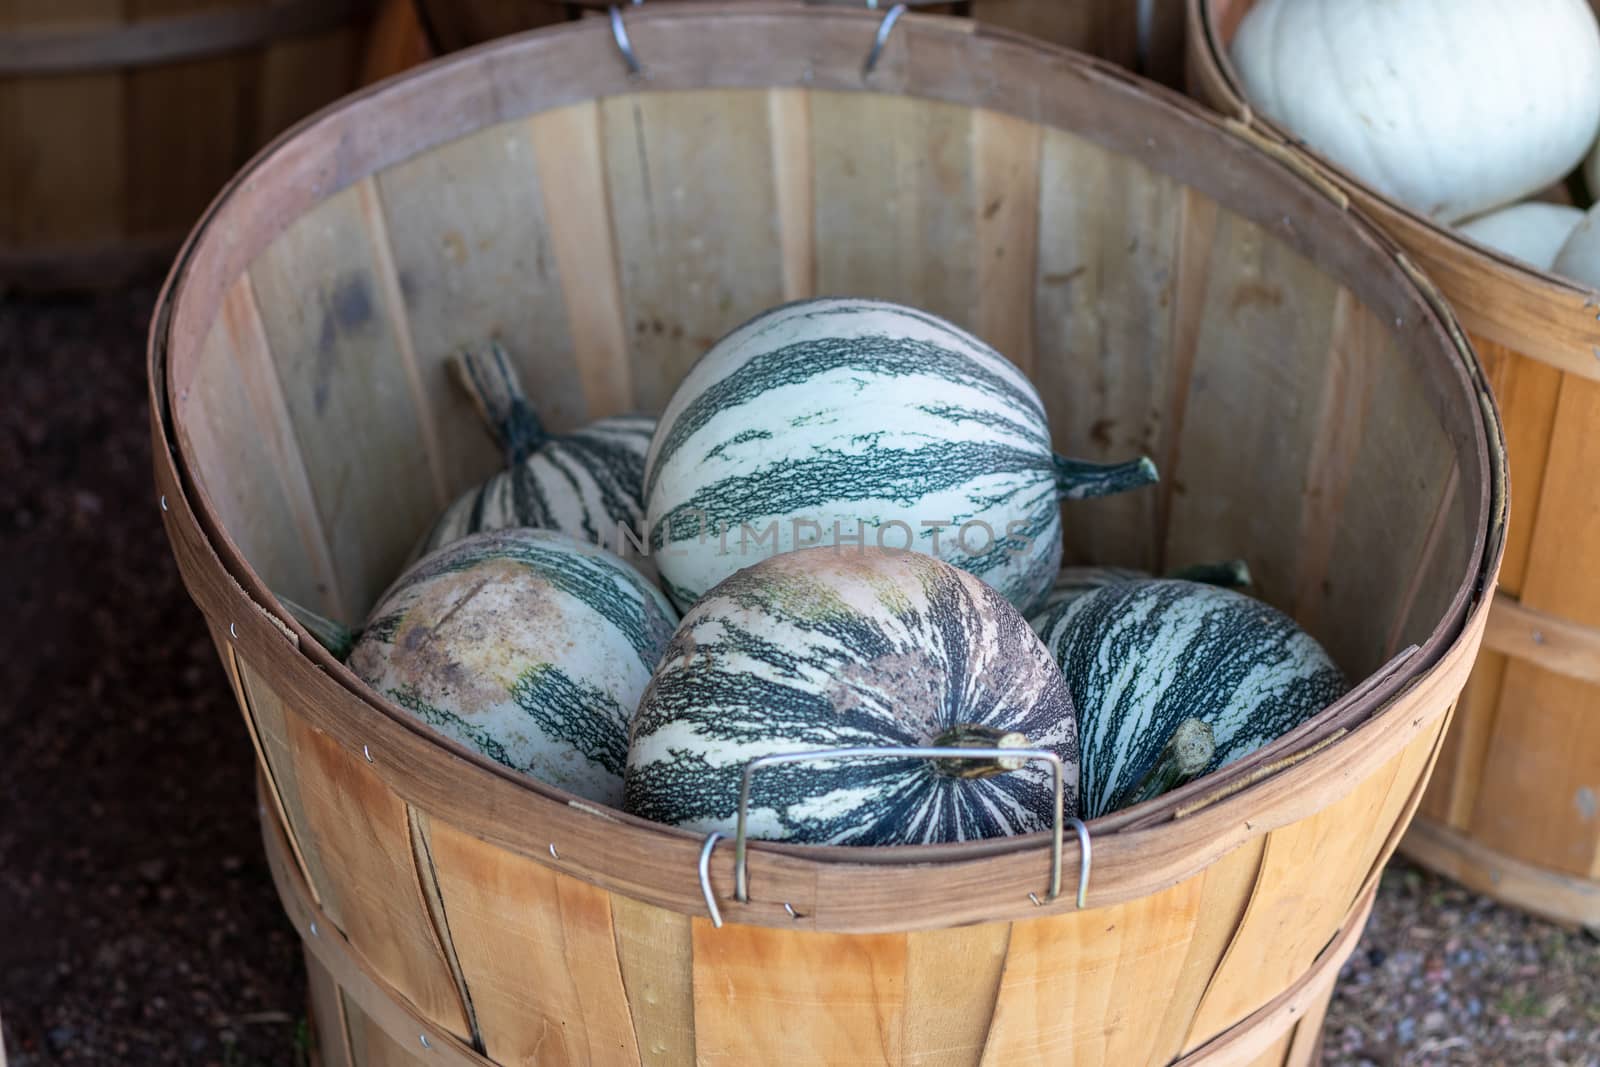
x=608, y=244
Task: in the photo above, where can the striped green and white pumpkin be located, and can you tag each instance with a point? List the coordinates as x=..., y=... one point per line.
x=825, y=420
x=1141, y=657
x=528, y=645
x=830, y=648
x=1074, y=582
x=587, y=483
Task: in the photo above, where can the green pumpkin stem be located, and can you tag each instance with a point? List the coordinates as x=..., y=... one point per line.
x=1183, y=758
x=972, y=735
x=1230, y=574
x=336, y=637
x=491, y=383
x=1078, y=479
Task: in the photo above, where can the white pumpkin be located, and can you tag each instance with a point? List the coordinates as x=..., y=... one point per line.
x=1452, y=107
x=1532, y=232
x=1579, y=258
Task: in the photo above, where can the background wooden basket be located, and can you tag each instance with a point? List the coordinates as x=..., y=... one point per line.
x=1143, y=35
x=1168, y=284
x=123, y=118
x=1513, y=809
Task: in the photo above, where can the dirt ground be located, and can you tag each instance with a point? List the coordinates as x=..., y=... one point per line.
x=138, y=923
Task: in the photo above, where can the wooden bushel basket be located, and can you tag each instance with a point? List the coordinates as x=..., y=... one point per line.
x=122, y=120
x=1169, y=285
x=1513, y=810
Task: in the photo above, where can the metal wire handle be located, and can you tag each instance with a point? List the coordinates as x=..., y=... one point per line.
x=1030, y=755
x=885, y=28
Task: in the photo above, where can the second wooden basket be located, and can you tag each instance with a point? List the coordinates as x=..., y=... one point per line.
x=1170, y=287
x=1514, y=810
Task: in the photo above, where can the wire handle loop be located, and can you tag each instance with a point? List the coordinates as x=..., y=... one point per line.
x=885, y=28
x=741, y=874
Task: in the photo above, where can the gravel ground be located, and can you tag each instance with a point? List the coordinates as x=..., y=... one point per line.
x=138, y=923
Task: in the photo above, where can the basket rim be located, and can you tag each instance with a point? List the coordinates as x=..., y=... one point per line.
x=1549, y=299
x=1137, y=850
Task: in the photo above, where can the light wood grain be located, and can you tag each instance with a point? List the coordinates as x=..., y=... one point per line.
x=327, y=1016
x=349, y=394
x=567, y=142
x=1292, y=916
x=1006, y=157
x=471, y=211
x=953, y=978
x=1109, y=230
x=781, y=996
x=1076, y=986
x=363, y=834
x=538, y=953
x=1262, y=300
x=1225, y=894
x=656, y=954
x=901, y=170
x=684, y=206
x=789, y=114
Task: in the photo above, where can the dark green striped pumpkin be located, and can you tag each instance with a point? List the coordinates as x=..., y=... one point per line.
x=587, y=483
x=828, y=420
x=1141, y=657
x=527, y=645
x=830, y=648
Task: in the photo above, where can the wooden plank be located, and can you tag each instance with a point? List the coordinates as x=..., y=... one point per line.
x=780, y=996
x=1346, y=396
x=1310, y=876
x=66, y=151
x=348, y=392
x=1226, y=889
x=1453, y=790
x=695, y=218
x=952, y=980
x=298, y=75
x=188, y=126
x=1559, y=897
x=1109, y=30
x=1404, y=481
x=584, y=247
x=1109, y=231
x=363, y=834
x=1548, y=641
x=905, y=168
x=1527, y=391
x=372, y=1046
x=1275, y=1055
x=1247, y=399
x=267, y=721
x=474, y=260
x=1305, y=1045
x=789, y=114
x=249, y=460
x=1077, y=987
x=1006, y=154
x=1539, y=801
x=327, y=1016
x=656, y=953
x=538, y=952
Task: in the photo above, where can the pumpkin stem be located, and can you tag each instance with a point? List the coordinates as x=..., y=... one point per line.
x=336, y=637
x=1230, y=574
x=491, y=383
x=1184, y=757
x=1078, y=479
x=973, y=735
